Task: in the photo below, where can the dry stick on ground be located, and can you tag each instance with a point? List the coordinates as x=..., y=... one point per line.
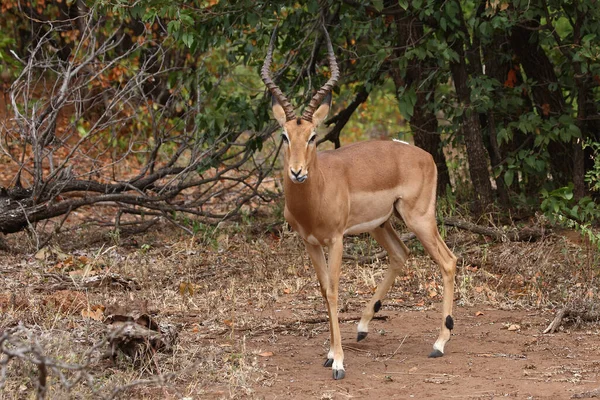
x=524, y=235
x=293, y=324
x=580, y=312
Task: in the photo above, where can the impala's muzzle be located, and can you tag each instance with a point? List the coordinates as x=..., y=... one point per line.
x=298, y=176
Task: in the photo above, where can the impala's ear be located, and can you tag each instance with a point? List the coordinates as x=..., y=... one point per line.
x=321, y=113
x=278, y=111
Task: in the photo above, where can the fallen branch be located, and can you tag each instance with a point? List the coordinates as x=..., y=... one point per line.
x=582, y=313
x=319, y=320
x=524, y=235
x=294, y=324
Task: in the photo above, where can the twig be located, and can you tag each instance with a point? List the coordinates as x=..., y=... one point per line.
x=398, y=348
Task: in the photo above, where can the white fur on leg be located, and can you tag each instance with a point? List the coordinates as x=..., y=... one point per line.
x=439, y=345
x=363, y=326
x=330, y=354
x=337, y=365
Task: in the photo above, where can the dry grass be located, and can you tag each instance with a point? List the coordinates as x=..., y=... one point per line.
x=224, y=289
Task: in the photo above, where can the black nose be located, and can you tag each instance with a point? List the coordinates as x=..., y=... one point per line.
x=296, y=174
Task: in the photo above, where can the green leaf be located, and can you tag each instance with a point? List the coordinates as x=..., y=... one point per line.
x=403, y=4
x=378, y=4
x=509, y=176
x=252, y=19
x=406, y=103
x=443, y=24
x=187, y=39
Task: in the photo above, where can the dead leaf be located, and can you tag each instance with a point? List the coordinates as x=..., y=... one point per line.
x=286, y=291
x=479, y=313
x=66, y=301
x=266, y=354
x=514, y=327
x=223, y=241
x=42, y=254
x=81, y=273
x=228, y=322
x=186, y=288
x=95, y=312
x=413, y=369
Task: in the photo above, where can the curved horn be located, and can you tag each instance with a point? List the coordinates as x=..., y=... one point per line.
x=328, y=86
x=273, y=88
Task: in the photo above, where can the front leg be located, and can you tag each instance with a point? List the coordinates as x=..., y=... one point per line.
x=329, y=281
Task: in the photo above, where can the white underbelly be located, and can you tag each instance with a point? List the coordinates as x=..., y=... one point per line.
x=368, y=226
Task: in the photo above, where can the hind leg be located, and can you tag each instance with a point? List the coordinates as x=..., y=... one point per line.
x=424, y=225
x=398, y=253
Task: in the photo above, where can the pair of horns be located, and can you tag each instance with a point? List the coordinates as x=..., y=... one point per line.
x=317, y=98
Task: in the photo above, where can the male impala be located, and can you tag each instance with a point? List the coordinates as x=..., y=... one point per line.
x=351, y=190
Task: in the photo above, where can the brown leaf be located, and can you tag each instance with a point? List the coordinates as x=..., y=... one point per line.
x=80, y=273
x=479, y=313
x=186, y=288
x=266, y=354
x=67, y=301
x=95, y=312
x=42, y=254
x=546, y=109
x=228, y=322
x=514, y=327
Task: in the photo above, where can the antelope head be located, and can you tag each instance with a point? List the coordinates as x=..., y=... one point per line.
x=299, y=133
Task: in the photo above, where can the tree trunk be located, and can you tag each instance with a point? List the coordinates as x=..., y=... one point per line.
x=476, y=152
x=423, y=122
x=499, y=69
x=538, y=67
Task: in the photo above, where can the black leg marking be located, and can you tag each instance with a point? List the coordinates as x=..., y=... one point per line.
x=435, y=354
x=361, y=336
x=449, y=322
x=339, y=374
x=377, y=306
x=328, y=363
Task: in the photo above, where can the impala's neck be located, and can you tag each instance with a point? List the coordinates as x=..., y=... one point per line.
x=302, y=197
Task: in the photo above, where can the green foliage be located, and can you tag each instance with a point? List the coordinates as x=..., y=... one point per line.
x=560, y=207
x=592, y=176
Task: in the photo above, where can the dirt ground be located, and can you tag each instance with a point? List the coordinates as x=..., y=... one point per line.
x=251, y=323
x=484, y=359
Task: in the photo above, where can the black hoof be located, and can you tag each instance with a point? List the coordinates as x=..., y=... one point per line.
x=435, y=354
x=328, y=363
x=339, y=374
x=361, y=336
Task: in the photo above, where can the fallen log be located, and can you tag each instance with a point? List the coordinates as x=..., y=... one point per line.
x=583, y=313
x=526, y=234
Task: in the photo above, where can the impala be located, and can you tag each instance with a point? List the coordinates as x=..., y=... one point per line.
x=355, y=189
